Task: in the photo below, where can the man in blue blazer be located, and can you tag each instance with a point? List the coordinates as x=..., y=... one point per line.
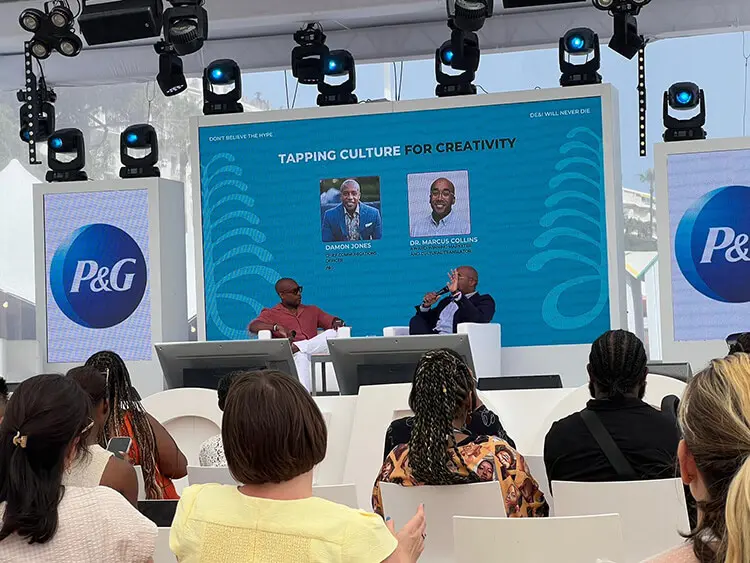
x=463, y=305
x=351, y=220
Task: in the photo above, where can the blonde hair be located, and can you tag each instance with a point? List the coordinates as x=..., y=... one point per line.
x=713, y=416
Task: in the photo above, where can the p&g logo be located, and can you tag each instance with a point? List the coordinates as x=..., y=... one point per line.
x=712, y=244
x=98, y=276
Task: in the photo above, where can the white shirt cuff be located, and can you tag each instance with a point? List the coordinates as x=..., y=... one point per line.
x=458, y=296
x=423, y=308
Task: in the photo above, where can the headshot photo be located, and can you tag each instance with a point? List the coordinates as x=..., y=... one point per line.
x=439, y=204
x=350, y=209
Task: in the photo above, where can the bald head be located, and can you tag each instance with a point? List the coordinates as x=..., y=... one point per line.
x=468, y=278
x=289, y=291
x=442, y=197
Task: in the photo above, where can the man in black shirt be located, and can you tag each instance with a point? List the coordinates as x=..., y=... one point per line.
x=646, y=437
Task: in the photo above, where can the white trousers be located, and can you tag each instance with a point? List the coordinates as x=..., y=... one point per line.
x=307, y=348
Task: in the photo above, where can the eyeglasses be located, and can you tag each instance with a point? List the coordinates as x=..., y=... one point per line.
x=296, y=291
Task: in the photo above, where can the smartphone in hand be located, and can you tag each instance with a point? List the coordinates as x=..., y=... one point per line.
x=119, y=445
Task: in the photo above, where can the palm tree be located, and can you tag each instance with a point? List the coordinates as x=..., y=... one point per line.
x=649, y=178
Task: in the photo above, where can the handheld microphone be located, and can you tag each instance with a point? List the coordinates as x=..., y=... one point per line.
x=443, y=291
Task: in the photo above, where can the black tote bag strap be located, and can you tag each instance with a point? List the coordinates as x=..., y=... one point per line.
x=613, y=453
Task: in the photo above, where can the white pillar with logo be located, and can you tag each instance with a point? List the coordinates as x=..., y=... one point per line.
x=110, y=273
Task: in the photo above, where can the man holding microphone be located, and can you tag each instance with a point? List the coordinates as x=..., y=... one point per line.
x=464, y=305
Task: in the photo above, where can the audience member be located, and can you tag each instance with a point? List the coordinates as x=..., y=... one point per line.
x=152, y=447
x=212, y=450
x=443, y=451
x=96, y=466
x=645, y=437
x=3, y=397
x=45, y=427
x=481, y=422
x=741, y=345
x=715, y=462
x=273, y=436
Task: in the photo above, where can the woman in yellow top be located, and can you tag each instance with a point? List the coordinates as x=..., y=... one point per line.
x=442, y=451
x=273, y=436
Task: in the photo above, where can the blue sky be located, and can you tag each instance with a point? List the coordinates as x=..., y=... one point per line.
x=714, y=62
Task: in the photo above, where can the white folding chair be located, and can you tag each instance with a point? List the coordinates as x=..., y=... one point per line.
x=141, y=484
x=539, y=472
x=199, y=475
x=163, y=554
x=340, y=494
x=338, y=413
x=653, y=513
x=584, y=539
x=441, y=504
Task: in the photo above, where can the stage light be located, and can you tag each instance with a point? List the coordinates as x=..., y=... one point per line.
x=625, y=38
x=580, y=42
x=61, y=17
x=52, y=29
x=70, y=46
x=335, y=64
x=186, y=26
x=40, y=49
x=470, y=15
x=39, y=99
x=462, y=53
x=139, y=140
x=171, y=78
x=222, y=87
x=307, y=57
x=67, y=143
x=120, y=20
x=31, y=19
x=684, y=97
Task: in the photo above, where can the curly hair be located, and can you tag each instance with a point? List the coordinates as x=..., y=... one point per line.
x=442, y=385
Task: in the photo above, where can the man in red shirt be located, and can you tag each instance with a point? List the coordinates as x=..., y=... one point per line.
x=299, y=323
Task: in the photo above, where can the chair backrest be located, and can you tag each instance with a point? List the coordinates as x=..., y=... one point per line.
x=585, y=539
x=163, y=554
x=441, y=505
x=338, y=413
x=657, y=387
x=539, y=472
x=376, y=405
x=199, y=475
x=141, y=484
x=484, y=340
x=522, y=412
x=340, y=494
x=189, y=414
x=653, y=513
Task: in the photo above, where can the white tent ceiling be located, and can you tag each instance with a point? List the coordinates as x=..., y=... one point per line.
x=257, y=33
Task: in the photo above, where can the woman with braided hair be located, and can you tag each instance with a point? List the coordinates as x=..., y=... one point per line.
x=480, y=422
x=443, y=451
x=152, y=448
x=646, y=437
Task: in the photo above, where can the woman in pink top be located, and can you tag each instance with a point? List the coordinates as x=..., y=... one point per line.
x=45, y=426
x=715, y=462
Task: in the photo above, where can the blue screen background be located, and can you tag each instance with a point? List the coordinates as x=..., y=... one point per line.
x=537, y=214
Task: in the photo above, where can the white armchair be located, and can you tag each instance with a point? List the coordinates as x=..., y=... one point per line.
x=485, y=341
